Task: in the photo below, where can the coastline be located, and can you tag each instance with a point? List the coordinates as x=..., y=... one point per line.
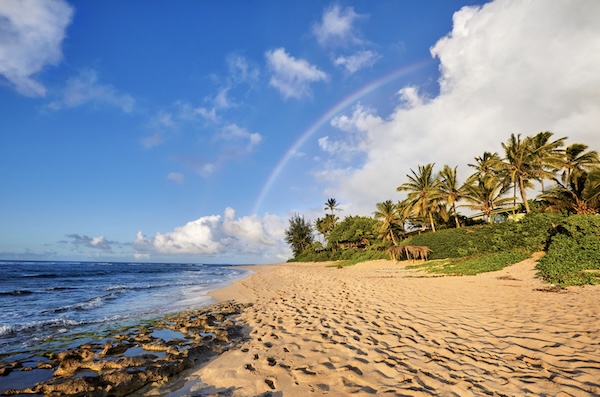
x=373, y=328
x=129, y=357
x=378, y=327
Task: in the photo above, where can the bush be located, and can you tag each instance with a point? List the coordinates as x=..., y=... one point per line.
x=526, y=236
x=351, y=254
x=354, y=229
x=573, y=256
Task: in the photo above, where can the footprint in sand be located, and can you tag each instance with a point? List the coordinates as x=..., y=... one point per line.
x=270, y=383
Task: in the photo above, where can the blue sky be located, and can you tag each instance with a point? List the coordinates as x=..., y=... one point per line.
x=149, y=131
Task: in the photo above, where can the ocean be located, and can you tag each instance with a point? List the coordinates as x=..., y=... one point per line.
x=47, y=305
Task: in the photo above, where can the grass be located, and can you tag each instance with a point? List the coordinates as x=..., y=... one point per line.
x=471, y=265
x=351, y=262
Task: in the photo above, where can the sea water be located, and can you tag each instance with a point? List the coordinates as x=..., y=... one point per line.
x=44, y=305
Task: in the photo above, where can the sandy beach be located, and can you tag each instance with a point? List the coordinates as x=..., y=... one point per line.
x=378, y=328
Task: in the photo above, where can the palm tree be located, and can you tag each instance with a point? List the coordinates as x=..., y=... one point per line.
x=530, y=158
x=424, y=194
x=518, y=166
x=577, y=160
x=450, y=189
x=487, y=165
x=390, y=220
x=581, y=195
x=332, y=205
x=325, y=225
x=547, y=156
x=485, y=194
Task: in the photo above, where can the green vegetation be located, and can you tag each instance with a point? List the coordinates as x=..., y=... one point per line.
x=573, y=256
x=563, y=220
x=527, y=236
x=299, y=234
x=471, y=265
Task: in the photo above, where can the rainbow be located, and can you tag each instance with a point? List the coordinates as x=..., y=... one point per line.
x=328, y=115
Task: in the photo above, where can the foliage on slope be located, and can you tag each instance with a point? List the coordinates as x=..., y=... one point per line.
x=573, y=256
x=572, y=244
x=527, y=236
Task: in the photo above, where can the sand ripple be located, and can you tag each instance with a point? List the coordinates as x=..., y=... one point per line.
x=376, y=329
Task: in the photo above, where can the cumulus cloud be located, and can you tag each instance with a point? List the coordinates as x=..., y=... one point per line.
x=31, y=34
x=362, y=120
x=337, y=27
x=216, y=234
x=197, y=237
x=506, y=67
x=357, y=61
x=86, y=89
x=290, y=76
x=354, y=135
x=99, y=242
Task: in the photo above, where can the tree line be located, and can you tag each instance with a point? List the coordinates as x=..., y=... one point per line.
x=497, y=189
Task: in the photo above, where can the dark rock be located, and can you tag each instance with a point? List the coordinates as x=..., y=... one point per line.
x=208, y=331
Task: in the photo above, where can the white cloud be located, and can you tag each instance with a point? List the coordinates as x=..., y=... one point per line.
x=352, y=142
x=176, y=177
x=165, y=120
x=357, y=61
x=241, y=73
x=409, y=97
x=506, y=67
x=207, y=169
x=240, y=70
x=208, y=114
x=195, y=237
x=153, y=140
x=336, y=27
x=98, y=242
x=354, y=138
x=85, y=89
x=221, y=100
x=31, y=33
x=249, y=229
x=363, y=119
x=291, y=76
x=210, y=235
x=230, y=143
x=233, y=132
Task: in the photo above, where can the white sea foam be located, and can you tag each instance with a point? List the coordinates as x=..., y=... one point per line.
x=72, y=298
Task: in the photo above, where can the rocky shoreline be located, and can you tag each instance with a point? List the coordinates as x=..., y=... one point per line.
x=141, y=357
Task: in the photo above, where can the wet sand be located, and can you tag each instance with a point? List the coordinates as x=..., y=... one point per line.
x=378, y=328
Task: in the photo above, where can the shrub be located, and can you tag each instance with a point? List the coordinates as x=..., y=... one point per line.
x=527, y=236
x=573, y=256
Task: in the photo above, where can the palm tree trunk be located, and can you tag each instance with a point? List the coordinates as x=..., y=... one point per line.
x=393, y=238
x=524, y=194
x=431, y=221
x=455, y=215
x=542, y=182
